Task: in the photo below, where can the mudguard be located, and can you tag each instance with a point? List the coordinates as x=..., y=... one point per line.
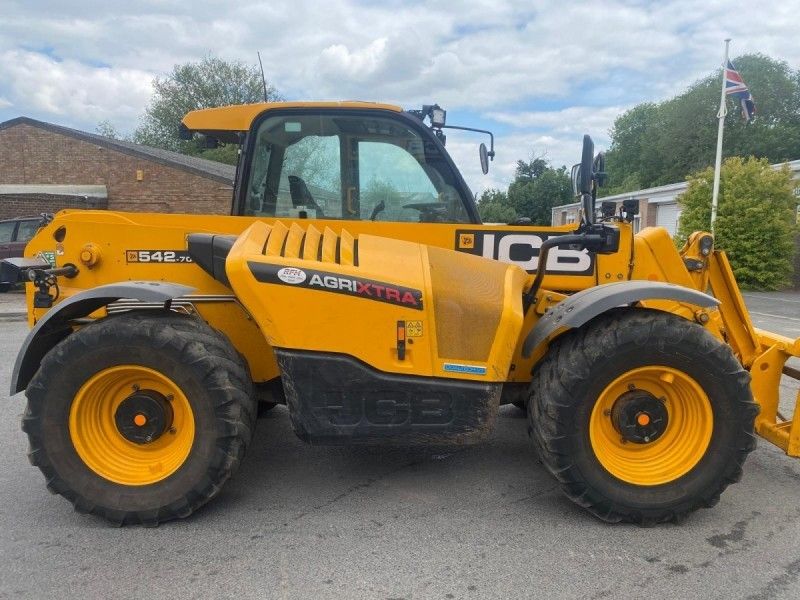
x=54, y=326
x=587, y=304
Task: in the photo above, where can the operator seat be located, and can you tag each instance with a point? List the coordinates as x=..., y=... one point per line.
x=301, y=196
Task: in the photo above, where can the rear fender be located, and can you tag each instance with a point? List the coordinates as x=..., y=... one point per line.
x=55, y=325
x=582, y=307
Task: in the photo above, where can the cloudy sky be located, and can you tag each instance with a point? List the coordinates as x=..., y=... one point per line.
x=538, y=73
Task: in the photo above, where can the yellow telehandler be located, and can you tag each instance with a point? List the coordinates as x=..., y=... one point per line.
x=355, y=282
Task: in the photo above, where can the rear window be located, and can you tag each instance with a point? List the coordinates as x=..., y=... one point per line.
x=27, y=229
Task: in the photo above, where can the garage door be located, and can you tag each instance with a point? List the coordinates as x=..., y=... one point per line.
x=667, y=216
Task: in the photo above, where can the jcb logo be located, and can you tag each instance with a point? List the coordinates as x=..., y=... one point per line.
x=387, y=409
x=466, y=241
x=522, y=248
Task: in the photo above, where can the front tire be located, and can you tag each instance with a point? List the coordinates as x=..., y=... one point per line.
x=140, y=417
x=642, y=416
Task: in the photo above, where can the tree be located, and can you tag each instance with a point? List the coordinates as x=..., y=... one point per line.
x=493, y=207
x=538, y=187
x=657, y=144
x=755, y=219
x=106, y=129
x=205, y=84
x=532, y=168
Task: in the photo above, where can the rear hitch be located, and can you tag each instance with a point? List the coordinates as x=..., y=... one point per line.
x=39, y=272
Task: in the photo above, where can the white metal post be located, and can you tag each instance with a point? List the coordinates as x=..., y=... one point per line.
x=723, y=111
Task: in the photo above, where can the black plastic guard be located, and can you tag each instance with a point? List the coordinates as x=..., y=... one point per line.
x=336, y=399
x=210, y=251
x=12, y=270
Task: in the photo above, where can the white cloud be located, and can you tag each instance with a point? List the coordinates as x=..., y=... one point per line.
x=547, y=70
x=70, y=89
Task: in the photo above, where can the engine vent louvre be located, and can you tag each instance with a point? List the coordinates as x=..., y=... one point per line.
x=308, y=243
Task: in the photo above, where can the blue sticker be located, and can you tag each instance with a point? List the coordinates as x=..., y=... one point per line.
x=471, y=369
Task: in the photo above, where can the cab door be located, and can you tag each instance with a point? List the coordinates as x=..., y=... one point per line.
x=362, y=166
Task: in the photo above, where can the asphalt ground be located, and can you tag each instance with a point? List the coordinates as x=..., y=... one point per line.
x=485, y=522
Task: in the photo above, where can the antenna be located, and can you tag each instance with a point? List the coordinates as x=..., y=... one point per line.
x=263, y=81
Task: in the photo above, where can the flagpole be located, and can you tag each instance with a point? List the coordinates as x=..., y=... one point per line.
x=723, y=111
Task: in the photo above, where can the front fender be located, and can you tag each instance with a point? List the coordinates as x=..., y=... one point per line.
x=54, y=326
x=582, y=307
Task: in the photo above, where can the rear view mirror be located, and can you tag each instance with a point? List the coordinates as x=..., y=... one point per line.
x=184, y=133
x=587, y=162
x=599, y=168
x=575, y=176
x=209, y=143
x=484, y=156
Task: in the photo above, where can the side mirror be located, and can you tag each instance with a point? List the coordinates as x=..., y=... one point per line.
x=575, y=176
x=184, y=133
x=599, y=168
x=587, y=162
x=209, y=143
x=484, y=156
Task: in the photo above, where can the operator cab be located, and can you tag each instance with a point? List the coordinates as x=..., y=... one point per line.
x=348, y=161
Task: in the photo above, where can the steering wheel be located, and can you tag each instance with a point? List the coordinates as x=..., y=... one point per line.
x=428, y=211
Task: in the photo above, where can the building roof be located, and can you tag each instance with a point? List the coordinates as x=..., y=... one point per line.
x=198, y=166
x=87, y=191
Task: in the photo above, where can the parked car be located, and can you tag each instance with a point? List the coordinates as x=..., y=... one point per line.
x=14, y=235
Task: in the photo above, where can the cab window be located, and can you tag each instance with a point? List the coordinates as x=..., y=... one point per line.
x=349, y=167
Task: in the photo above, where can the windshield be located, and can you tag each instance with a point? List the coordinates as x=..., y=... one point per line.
x=349, y=167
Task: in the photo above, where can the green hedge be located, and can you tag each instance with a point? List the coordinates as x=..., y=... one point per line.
x=755, y=219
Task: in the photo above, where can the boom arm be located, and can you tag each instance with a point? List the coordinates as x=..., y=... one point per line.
x=763, y=353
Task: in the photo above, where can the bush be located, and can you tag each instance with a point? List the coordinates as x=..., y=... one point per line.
x=755, y=219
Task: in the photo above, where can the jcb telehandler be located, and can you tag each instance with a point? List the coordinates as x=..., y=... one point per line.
x=355, y=282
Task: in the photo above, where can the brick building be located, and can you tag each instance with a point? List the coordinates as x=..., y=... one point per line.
x=46, y=167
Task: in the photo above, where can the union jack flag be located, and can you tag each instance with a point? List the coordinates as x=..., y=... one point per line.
x=735, y=86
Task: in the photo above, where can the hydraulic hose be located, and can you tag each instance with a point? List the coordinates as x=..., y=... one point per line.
x=583, y=239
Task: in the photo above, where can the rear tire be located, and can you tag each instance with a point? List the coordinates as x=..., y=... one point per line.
x=74, y=399
x=591, y=375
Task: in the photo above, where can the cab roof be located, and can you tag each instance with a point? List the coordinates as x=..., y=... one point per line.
x=225, y=122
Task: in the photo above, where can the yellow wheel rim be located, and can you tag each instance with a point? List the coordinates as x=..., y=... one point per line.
x=102, y=446
x=681, y=445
